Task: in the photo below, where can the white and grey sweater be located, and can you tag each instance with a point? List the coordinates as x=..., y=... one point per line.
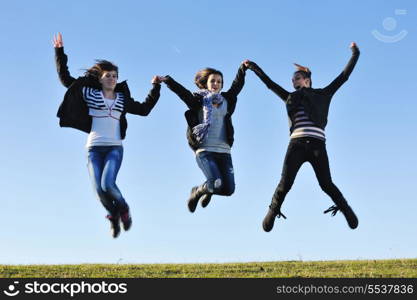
x=215, y=140
x=105, y=113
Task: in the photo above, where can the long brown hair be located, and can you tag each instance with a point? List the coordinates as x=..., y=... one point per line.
x=100, y=67
x=202, y=76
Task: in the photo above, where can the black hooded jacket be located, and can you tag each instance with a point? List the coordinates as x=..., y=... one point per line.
x=194, y=103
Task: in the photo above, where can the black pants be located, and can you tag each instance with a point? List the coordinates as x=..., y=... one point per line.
x=299, y=151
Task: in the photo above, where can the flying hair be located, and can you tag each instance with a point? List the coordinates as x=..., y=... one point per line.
x=303, y=69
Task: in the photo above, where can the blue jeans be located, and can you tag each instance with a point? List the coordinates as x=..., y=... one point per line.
x=218, y=169
x=103, y=165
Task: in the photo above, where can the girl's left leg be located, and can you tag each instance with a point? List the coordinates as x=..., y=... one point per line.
x=225, y=165
x=96, y=156
x=112, y=163
x=96, y=163
x=320, y=162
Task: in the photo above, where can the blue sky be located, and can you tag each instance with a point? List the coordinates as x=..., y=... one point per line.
x=50, y=214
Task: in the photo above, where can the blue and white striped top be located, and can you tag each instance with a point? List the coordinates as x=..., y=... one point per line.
x=97, y=106
x=106, y=113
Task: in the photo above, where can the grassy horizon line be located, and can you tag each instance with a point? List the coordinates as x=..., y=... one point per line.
x=386, y=268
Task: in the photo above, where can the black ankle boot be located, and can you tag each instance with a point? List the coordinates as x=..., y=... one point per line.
x=205, y=199
x=269, y=219
x=196, y=193
x=347, y=211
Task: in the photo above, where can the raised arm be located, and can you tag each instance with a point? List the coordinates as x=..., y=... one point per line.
x=238, y=82
x=61, y=60
x=144, y=108
x=277, y=89
x=191, y=100
x=344, y=76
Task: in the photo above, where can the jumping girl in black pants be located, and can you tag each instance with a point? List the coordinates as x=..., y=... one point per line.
x=307, y=110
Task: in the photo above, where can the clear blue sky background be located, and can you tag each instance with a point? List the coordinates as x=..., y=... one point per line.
x=49, y=212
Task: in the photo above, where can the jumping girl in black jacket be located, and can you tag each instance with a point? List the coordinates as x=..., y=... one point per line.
x=210, y=131
x=307, y=110
x=97, y=104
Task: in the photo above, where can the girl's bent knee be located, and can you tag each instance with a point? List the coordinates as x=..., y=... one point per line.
x=109, y=188
x=229, y=191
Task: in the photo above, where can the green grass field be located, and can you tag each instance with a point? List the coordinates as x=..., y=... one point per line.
x=401, y=268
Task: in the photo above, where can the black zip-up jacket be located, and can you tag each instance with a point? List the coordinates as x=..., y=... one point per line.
x=73, y=111
x=194, y=103
x=316, y=102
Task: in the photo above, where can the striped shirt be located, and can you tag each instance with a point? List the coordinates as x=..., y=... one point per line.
x=304, y=126
x=105, y=128
x=98, y=107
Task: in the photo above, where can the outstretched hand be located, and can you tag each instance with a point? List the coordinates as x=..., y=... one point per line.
x=248, y=64
x=158, y=79
x=58, y=42
x=353, y=45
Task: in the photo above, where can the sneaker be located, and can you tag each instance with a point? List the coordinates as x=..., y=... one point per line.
x=126, y=220
x=205, y=199
x=269, y=219
x=114, y=225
